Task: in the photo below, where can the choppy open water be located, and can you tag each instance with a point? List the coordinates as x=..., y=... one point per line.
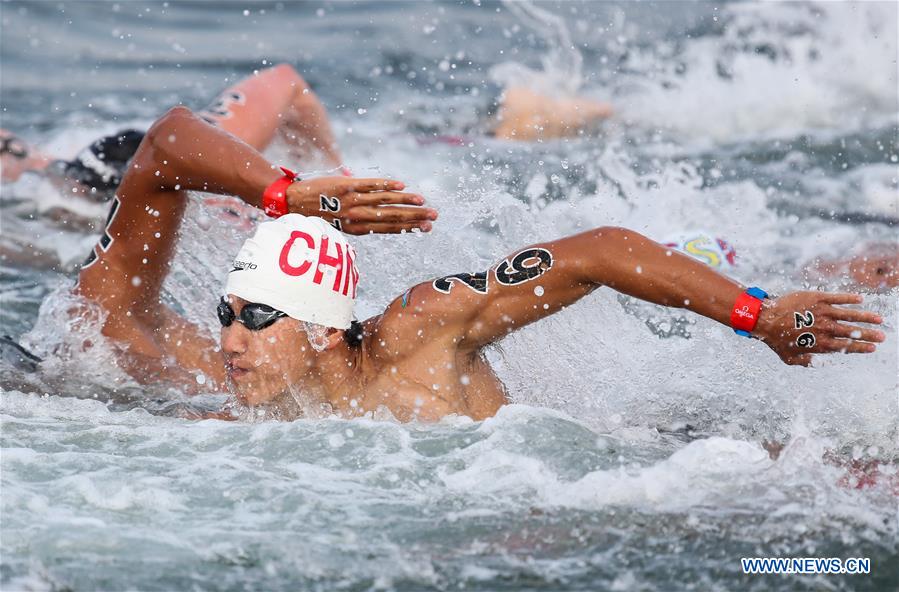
x=630, y=459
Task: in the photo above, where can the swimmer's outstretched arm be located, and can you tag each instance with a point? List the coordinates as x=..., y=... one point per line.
x=186, y=153
x=540, y=280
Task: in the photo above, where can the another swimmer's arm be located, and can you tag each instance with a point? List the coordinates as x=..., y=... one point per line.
x=189, y=154
x=309, y=120
x=632, y=264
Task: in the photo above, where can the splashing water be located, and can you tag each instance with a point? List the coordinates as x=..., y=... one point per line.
x=562, y=62
x=631, y=457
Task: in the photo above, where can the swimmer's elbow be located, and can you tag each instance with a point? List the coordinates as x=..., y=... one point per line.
x=161, y=143
x=160, y=151
x=284, y=77
x=614, y=239
x=605, y=248
x=288, y=73
x=616, y=234
x=160, y=133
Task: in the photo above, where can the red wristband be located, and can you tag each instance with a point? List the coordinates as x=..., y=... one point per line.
x=274, y=199
x=745, y=313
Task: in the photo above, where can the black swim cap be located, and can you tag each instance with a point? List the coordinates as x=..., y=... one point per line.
x=102, y=165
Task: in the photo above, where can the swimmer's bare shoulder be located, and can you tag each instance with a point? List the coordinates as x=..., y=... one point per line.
x=420, y=318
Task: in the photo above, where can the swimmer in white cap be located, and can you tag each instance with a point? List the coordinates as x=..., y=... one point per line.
x=287, y=308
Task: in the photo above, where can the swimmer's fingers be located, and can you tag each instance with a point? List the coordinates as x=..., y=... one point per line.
x=385, y=228
x=840, y=298
x=853, y=332
x=382, y=198
x=401, y=214
x=369, y=185
x=832, y=329
x=854, y=316
x=847, y=346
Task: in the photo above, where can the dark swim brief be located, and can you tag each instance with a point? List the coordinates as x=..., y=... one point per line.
x=102, y=165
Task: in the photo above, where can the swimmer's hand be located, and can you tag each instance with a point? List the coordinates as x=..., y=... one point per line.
x=361, y=206
x=800, y=324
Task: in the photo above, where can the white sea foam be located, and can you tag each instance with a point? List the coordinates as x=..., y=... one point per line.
x=824, y=66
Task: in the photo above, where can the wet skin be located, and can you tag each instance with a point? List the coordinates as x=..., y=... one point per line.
x=422, y=357
x=398, y=366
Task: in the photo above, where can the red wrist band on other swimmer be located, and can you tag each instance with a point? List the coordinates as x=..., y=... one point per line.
x=745, y=313
x=345, y=171
x=274, y=199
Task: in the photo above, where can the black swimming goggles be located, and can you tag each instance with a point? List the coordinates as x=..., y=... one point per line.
x=253, y=316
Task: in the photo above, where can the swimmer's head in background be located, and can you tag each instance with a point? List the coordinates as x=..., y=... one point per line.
x=102, y=165
x=705, y=247
x=301, y=266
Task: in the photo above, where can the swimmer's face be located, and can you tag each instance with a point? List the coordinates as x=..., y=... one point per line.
x=262, y=364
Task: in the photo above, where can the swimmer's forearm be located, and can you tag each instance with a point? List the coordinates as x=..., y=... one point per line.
x=637, y=266
x=190, y=154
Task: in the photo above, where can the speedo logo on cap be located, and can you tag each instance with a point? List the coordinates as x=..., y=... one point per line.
x=241, y=265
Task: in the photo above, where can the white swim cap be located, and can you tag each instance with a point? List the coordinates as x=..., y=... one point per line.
x=301, y=266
